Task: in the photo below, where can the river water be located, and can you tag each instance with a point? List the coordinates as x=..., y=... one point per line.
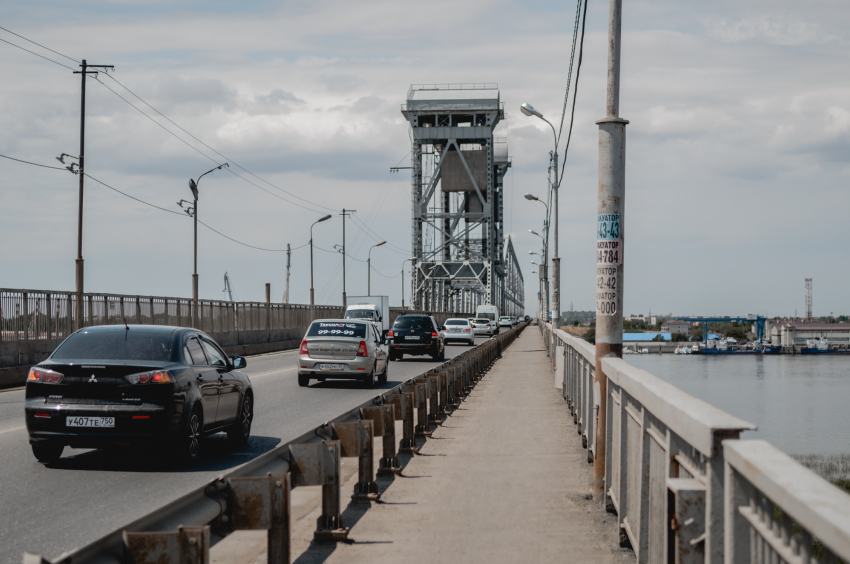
x=801, y=404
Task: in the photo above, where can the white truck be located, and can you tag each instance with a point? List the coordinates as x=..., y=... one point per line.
x=373, y=308
x=490, y=312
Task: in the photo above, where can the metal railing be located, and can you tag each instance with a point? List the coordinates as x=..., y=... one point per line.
x=256, y=495
x=27, y=315
x=683, y=486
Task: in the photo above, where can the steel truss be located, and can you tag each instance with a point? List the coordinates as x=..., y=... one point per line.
x=458, y=169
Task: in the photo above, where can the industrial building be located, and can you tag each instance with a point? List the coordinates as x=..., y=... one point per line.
x=789, y=333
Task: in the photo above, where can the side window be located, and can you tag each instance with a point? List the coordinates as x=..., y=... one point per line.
x=216, y=357
x=376, y=334
x=194, y=353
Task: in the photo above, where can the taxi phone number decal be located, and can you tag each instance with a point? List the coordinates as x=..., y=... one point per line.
x=335, y=332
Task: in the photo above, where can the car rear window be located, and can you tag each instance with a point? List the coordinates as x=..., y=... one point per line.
x=482, y=321
x=337, y=329
x=457, y=322
x=126, y=345
x=413, y=323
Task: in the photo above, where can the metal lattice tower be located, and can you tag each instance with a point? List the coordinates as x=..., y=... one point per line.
x=458, y=169
x=808, y=299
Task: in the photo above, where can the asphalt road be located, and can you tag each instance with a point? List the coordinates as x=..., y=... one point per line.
x=49, y=511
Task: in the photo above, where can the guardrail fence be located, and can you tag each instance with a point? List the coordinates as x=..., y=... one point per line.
x=256, y=496
x=684, y=488
x=27, y=315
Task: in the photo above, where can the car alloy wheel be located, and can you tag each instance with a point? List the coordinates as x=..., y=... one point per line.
x=241, y=431
x=194, y=429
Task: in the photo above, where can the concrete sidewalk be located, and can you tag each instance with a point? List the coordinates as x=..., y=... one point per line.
x=505, y=479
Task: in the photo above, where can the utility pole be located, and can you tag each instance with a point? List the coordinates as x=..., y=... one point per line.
x=80, y=268
x=609, y=240
x=556, y=261
x=345, y=213
x=288, y=254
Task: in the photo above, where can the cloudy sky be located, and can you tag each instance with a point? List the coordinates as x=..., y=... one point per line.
x=737, y=158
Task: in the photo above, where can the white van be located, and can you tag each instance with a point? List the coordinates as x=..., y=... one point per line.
x=490, y=312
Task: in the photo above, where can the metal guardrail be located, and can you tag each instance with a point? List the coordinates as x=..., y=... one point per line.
x=256, y=495
x=683, y=486
x=44, y=314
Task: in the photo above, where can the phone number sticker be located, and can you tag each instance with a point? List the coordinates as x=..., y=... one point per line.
x=607, y=290
x=609, y=252
x=608, y=226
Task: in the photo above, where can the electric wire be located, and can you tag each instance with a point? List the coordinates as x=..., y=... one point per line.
x=34, y=164
x=569, y=75
x=575, y=94
x=40, y=45
x=37, y=55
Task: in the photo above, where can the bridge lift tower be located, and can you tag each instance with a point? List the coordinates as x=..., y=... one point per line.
x=458, y=167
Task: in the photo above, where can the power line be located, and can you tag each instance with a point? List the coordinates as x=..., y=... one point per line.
x=34, y=164
x=569, y=73
x=214, y=151
x=40, y=45
x=37, y=55
x=575, y=94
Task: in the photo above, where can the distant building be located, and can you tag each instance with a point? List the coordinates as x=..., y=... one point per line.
x=674, y=326
x=789, y=333
x=644, y=337
x=567, y=317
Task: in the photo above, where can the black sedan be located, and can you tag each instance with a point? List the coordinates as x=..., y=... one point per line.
x=150, y=385
x=416, y=335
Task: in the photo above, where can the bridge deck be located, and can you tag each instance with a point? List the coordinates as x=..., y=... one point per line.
x=496, y=483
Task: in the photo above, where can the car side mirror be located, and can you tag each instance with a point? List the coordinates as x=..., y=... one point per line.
x=239, y=362
x=442, y=327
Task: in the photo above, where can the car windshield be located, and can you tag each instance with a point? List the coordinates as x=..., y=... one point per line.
x=112, y=345
x=413, y=323
x=337, y=329
x=457, y=322
x=491, y=316
x=360, y=314
x=482, y=321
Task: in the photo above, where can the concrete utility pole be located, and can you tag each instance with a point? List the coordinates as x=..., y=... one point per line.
x=288, y=255
x=193, y=186
x=79, y=314
x=325, y=218
x=369, y=268
x=609, y=241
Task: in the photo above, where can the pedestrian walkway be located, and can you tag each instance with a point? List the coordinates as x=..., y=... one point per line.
x=505, y=479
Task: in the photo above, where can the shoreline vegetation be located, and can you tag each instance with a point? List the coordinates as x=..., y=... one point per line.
x=835, y=468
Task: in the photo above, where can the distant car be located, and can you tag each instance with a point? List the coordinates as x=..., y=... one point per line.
x=416, y=335
x=459, y=330
x=483, y=326
x=528, y=318
x=117, y=385
x=514, y=321
x=505, y=322
x=344, y=349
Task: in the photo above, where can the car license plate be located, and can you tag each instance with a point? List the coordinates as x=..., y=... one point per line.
x=412, y=338
x=454, y=330
x=90, y=422
x=331, y=366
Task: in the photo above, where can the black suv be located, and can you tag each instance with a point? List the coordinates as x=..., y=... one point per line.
x=417, y=335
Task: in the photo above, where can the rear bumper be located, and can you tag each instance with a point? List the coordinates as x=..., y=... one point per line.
x=352, y=369
x=415, y=348
x=134, y=424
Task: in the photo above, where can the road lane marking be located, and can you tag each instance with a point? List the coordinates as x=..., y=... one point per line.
x=13, y=429
x=261, y=374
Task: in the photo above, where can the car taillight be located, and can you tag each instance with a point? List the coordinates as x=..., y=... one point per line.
x=304, y=347
x=361, y=350
x=390, y=334
x=434, y=334
x=44, y=375
x=466, y=330
x=157, y=377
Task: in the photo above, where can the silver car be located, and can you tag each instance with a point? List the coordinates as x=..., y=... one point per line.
x=343, y=349
x=483, y=326
x=457, y=329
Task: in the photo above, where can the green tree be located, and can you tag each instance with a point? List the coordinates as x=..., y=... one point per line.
x=678, y=337
x=658, y=338
x=590, y=336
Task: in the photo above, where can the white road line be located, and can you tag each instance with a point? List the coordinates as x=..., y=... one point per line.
x=13, y=429
x=260, y=375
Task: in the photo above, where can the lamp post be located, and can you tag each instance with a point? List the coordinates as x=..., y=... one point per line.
x=528, y=110
x=369, y=268
x=327, y=217
x=544, y=271
x=402, y=279
x=193, y=186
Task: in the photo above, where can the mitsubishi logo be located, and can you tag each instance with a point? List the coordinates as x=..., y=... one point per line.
x=92, y=379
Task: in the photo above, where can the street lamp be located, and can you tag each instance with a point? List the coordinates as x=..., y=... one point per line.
x=327, y=217
x=413, y=259
x=369, y=267
x=528, y=110
x=193, y=186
